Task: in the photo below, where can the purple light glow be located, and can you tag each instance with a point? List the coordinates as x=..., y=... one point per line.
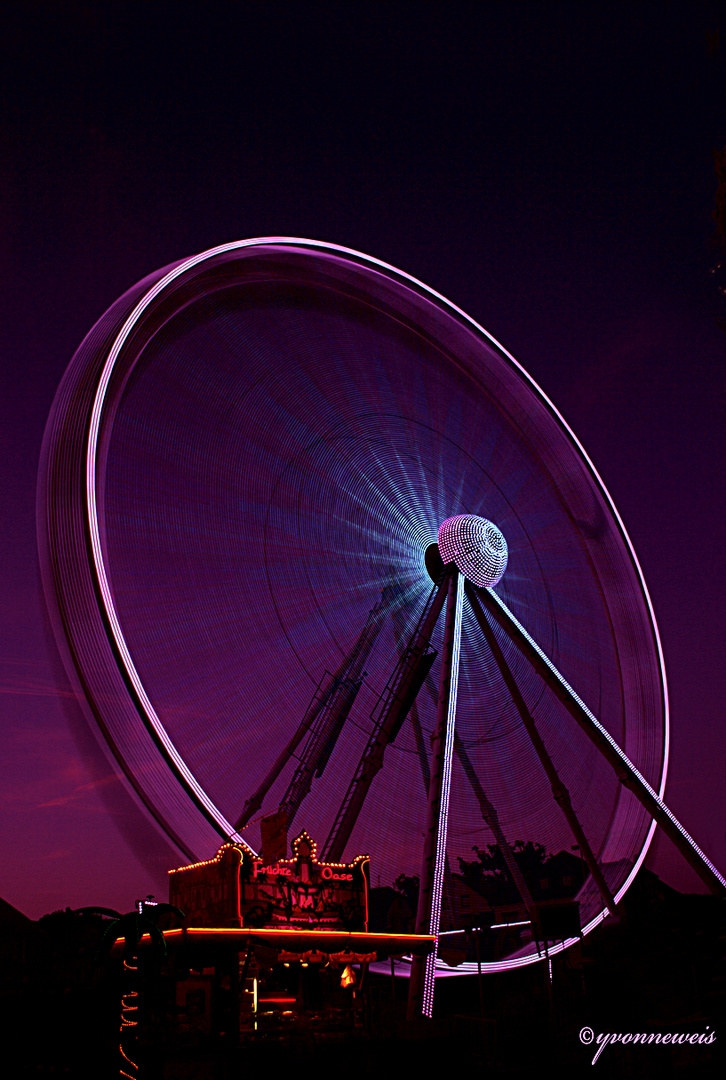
x=217, y=556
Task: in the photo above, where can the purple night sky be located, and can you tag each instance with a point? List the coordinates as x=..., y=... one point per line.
x=548, y=167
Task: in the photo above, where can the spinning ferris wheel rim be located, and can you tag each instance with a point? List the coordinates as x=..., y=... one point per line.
x=109, y=613
x=92, y=461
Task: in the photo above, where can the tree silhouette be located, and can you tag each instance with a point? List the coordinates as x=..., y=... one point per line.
x=489, y=875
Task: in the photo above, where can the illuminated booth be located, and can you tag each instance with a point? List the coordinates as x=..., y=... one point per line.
x=237, y=889
x=272, y=944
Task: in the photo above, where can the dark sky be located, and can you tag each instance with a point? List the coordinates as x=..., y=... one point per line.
x=546, y=166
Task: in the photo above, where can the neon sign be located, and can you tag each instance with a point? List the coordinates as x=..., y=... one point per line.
x=239, y=889
x=303, y=893
x=259, y=869
x=328, y=874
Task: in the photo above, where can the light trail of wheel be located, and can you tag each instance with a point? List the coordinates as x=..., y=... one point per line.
x=366, y=438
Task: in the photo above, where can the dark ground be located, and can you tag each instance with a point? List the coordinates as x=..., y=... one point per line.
x=660, y=967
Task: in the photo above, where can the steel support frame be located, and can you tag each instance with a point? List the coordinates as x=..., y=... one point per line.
x=341, y=685
x=421, y=987
x=624, y=769
x=559, y=791
x=371, y=761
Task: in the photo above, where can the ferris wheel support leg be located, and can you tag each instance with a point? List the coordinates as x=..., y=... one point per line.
x=397, y=699
x=491, y=818
x=415, y=719
x=428, y=916
x=623, y=767
x=347, y=674
x=255, y=801
x=560, y=792
x=488, y=811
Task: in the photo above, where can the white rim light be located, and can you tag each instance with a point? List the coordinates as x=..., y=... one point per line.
x=102, y=578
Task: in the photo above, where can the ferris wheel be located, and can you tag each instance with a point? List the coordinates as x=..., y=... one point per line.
x=312, y=539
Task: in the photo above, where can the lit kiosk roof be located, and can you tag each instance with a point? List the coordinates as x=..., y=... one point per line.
x=295, y=905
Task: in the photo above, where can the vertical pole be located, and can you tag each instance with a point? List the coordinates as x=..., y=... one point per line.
x=428, y=916
x=477, y=931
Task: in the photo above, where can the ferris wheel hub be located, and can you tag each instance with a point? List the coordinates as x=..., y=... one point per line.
x=476, y=546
